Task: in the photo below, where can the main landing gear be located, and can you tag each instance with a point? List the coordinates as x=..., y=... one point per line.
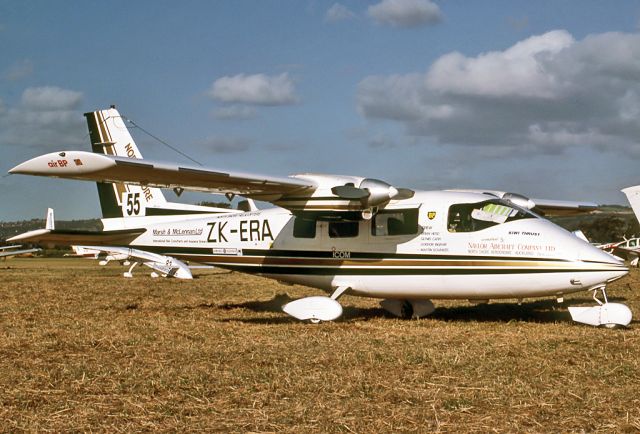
x=408, y=309
x=317, y=308
x=605, y=314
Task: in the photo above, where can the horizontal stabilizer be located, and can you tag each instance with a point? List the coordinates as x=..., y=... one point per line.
x=63, y=237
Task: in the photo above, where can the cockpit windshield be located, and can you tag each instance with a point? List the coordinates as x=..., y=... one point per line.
x=471, y=217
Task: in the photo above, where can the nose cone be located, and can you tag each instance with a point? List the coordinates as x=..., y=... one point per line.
x=608, y=267
x=589, y=253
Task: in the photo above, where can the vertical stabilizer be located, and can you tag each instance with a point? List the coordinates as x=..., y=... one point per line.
x=110, y=136
x=50, y=224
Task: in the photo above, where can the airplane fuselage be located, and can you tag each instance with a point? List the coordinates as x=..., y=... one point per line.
x=435, y=245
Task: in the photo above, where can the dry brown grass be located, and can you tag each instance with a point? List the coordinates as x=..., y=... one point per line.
x=83, y=349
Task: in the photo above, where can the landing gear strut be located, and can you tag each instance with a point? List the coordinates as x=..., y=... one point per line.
x=605, y=314
x=130, y=272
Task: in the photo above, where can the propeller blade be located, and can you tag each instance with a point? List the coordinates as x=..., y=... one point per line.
x=350, y=192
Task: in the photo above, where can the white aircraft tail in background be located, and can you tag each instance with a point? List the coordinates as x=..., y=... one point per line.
x=633, y=196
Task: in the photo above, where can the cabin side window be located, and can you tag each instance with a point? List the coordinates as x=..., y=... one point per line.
x=303, y=228
x=395, y=222
x=343, y=229
x=471, y=217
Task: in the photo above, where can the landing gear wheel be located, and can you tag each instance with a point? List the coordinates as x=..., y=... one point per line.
x=604, y=314
x=407, y=310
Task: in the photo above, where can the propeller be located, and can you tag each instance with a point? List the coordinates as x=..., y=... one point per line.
x=372, y=192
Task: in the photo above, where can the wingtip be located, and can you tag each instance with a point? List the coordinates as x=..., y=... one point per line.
x=63, y=164
x=16, y=170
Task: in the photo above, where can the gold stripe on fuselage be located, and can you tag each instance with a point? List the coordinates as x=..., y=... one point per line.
x=398, y=263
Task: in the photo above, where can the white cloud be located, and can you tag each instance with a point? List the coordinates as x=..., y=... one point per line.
x=257, y=89
x=517, y=71
x=46, y=118
x=50, y=98
x=544, y=93
x=234, y=112
x=338, y=12
x=405, y=13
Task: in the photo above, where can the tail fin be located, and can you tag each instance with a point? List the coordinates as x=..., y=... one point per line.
x=110, y=136
x=51, y=223
x=633, y=195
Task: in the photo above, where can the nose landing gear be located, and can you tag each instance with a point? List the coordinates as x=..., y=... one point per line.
x=609, y=315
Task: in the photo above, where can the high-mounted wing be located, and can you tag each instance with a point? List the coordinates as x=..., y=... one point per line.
x=554, y=208
x=546, y=207
x=303, y=192
x=106, y=168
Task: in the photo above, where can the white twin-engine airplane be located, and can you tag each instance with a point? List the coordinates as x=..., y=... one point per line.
x=341, y=234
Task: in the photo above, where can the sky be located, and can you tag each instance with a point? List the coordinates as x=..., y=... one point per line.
x=540, y=98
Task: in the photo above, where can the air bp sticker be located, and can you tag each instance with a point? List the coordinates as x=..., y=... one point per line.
x=431, y=215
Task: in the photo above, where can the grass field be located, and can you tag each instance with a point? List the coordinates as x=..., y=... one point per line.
x=84, y=349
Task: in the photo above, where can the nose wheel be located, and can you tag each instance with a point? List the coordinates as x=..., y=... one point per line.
x=605, y=314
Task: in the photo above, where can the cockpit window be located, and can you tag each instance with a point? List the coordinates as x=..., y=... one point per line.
x=471, y=217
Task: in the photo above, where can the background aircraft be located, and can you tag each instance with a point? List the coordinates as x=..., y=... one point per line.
x=10, y=251
x=629, y=248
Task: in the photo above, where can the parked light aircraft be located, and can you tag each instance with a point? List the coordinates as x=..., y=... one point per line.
x=341, y=234
x=629, y=248
x=9, y=251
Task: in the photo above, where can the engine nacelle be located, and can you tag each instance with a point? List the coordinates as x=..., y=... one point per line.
x=520, y=200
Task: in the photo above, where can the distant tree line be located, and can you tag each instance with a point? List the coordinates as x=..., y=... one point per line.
x=602, y=228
